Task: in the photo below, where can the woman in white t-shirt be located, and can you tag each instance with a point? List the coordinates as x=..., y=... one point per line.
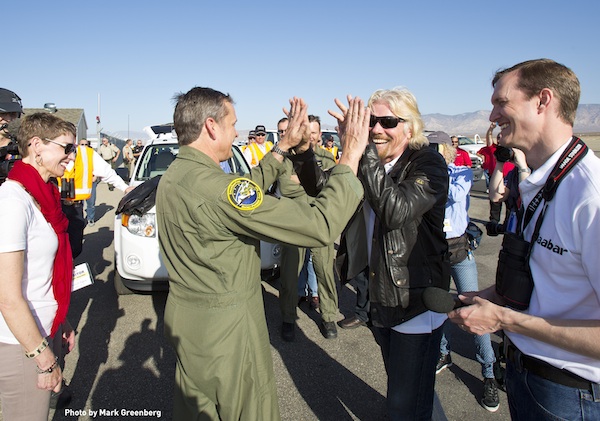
x=37, y=269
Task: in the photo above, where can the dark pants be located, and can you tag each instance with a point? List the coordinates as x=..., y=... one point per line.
x=495, y=211
x=410, y=361
x=77, y=224
x=361, y=283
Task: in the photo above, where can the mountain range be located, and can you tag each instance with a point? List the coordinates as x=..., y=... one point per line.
x=469, y=124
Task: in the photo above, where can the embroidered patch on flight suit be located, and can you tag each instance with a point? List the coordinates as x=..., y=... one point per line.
x=244, y=194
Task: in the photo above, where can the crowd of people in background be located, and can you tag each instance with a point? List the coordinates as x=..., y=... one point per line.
x=398, y=201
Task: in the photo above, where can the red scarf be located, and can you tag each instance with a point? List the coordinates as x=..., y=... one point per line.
x=48, y=197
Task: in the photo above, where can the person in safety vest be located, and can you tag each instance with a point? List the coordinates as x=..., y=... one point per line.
x=331, y=148
x=255, y=151
x=76, y=186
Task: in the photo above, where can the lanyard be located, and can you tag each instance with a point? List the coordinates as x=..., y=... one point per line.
x=574, y=152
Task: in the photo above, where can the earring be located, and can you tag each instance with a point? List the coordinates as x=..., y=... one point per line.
x=39, y=160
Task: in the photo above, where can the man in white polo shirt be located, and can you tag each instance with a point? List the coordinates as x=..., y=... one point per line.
x=553, y=346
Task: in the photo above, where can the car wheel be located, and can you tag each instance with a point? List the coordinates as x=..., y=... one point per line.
x=119, y=285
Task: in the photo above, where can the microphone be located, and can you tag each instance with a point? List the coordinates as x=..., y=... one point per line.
x=439, y=300
x=4, y=126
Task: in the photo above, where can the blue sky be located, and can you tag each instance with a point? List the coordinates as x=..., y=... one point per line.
x=138, y=54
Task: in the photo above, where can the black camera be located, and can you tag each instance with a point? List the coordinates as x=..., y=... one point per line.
x=514, y=282
x=504, y=154
x=8, y=155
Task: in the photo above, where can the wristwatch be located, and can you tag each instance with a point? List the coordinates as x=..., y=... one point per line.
x=280, y=151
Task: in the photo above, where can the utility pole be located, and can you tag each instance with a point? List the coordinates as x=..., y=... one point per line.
x=98, y=128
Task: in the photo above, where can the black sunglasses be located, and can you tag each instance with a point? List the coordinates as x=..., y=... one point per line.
x=69, y=147
x=387, y=122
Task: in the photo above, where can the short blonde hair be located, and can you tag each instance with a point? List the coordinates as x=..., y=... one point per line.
x=43, y=125
x=403, y=104
x=448, y=152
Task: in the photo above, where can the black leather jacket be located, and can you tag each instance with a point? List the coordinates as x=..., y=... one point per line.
x=409, y=249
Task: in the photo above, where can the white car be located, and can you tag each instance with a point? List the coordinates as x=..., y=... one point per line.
x=472, y=146
x=138, y=263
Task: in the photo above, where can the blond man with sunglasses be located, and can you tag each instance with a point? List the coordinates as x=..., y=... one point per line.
x=397, y=237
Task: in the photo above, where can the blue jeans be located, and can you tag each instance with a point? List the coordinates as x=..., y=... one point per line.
x=307, y=280
x=534, y=398
x=410, y=365
x=465, y=278
x=486, y=174
x=90, y=204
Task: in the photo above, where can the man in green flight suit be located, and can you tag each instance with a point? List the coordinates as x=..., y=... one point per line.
x=293, y=259
x=211, y=224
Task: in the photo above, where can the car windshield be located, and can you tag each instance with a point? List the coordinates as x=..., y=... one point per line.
x=336, y=138
x=466, y=141
x=156, y=159
x=271, y=137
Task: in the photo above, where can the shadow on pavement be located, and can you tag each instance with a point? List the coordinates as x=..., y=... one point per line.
x=331, y=390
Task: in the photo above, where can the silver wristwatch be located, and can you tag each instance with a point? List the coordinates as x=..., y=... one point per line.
x=280, y=151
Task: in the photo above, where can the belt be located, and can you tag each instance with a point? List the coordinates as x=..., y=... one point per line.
x=73, y=202
x=543, y=369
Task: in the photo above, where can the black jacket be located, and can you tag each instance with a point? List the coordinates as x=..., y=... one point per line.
x=409, y=249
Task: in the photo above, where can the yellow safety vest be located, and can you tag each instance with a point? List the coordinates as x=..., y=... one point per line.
x=82, y=172
x=257, y=154
x=333, y=151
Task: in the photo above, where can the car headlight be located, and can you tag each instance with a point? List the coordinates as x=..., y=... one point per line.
x=144, y=226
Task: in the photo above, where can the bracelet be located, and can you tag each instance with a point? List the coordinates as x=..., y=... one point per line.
x=525, y=170
x=38, y=350
x=49, y=369
x=278, y=150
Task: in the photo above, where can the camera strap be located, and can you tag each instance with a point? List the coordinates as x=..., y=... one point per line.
x=574, y=152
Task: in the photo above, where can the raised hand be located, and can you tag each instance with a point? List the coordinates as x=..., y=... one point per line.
x=298, y=131
x=353, y=122
x=340, y=117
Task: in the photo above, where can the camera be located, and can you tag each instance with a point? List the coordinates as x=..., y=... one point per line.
x=12, y=152
x=514, y=282
x=504, y=154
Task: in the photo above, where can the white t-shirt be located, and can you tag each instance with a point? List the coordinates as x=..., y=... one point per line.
x=25, y=228
x=565, y=262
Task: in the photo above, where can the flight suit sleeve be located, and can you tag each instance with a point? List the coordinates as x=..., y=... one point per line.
x=288, y=186
x=295, y=222
x=267, y=171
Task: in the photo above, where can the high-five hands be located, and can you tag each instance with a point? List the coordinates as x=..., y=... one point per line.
x=298, y=131
x=353, y=129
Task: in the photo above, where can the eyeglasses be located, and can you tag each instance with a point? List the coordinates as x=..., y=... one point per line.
x=387, y=122
x=69, y=147
x=281, y=131
x=260, y=134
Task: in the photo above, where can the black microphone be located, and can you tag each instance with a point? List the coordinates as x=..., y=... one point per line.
x=439, y=300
